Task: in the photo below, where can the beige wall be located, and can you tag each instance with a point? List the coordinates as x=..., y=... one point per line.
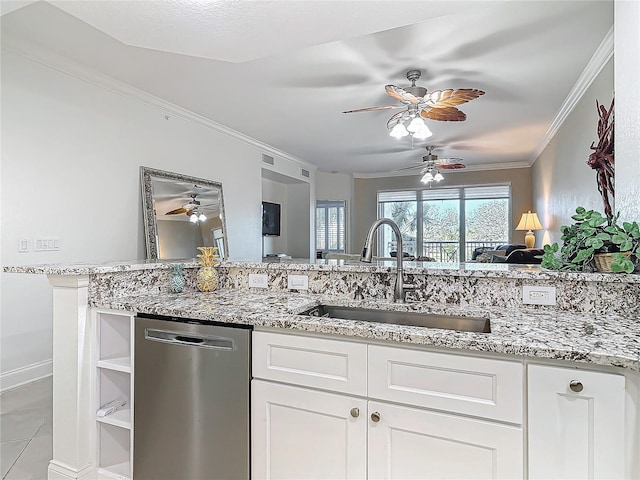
x=560, y=178
x=365, y=195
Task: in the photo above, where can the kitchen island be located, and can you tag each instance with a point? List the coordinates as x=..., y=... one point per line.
x=593, y=326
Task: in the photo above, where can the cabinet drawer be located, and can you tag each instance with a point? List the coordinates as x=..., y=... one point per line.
x=474, y=386
x=312, y=362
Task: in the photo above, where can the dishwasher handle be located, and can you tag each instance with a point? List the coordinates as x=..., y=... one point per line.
x=188, y=339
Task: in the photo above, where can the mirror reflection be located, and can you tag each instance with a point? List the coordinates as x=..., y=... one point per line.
x=181, y=213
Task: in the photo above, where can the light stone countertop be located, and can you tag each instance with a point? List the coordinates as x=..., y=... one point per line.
x=601, y=340
x=480, y=270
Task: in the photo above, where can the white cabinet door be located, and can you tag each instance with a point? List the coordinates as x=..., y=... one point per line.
x=298, y=433
x=579, y=432
x=407, y=443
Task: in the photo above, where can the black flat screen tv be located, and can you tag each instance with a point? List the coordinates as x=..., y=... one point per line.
x=270, y=219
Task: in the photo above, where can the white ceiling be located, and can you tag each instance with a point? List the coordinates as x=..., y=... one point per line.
x=283, y=71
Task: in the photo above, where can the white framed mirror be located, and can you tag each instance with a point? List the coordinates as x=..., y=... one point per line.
x=182, y=213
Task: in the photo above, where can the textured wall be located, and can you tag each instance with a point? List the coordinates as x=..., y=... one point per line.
x=627, y=83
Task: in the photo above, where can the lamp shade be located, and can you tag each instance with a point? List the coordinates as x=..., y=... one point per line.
x=529, y=221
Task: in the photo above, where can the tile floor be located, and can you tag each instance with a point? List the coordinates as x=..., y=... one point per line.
x=26, y=431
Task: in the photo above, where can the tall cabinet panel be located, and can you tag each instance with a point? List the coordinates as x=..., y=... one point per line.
x=576, y=424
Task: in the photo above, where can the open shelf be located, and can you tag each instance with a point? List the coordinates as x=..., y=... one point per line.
x=114, y=445
x=114, y=336
x=113, y=376
x=120, y=418
x=119, y=364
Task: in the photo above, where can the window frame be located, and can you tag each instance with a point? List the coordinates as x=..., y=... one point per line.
x=326, y=205
x=420, y=195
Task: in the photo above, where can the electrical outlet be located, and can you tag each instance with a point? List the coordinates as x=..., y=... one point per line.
x=258, y=280
x=298, y=282
x=538, y=295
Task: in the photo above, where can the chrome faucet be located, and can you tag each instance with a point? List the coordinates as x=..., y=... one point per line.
x=400, y=288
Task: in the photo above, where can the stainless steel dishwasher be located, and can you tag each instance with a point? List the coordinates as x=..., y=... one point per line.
x=191, y=400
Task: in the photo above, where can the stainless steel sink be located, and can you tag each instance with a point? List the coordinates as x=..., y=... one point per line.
x=414, y=319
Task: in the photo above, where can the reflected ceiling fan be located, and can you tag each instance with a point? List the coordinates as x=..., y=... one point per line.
x=431, y=165
x=187, y=208
x=419, y=104
x=190, y=209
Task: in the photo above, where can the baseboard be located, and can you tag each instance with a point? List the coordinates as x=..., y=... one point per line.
x=23, y=375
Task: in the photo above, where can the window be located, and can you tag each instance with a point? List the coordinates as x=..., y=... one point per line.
x=446, y=224
x=330, y=224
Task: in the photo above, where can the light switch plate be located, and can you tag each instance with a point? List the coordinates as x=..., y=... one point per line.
x=23, y=244
x=46, y=244
x=258, y=280
x=298, y=282
x=538, y=295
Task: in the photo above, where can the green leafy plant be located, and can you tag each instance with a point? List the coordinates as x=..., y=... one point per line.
x=594, y=233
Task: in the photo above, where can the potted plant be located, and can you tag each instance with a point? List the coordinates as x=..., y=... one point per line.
x=595, y=242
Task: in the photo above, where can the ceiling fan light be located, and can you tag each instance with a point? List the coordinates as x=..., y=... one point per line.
x=438, y=177
x=202, y=217
x=399, y=131
x=422, y=133
x=427, y=178
x=193, y=218
x=416, y=125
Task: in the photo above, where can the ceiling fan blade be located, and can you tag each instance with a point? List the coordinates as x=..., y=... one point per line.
x=450, y=166
x=400, y=94
x=176, y=211
x=444, y=114
x=372, y=109
x=395, y=118
x=412, y=167
x=451, y=97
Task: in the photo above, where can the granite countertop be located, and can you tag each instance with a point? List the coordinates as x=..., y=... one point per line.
x=481, y=270
x=600, y=340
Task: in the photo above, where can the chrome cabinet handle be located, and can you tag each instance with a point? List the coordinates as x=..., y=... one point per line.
x=355, y=412
x=575, y=386
x=375, y=416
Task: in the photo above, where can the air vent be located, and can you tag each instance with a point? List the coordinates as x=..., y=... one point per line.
x=305, y=173
x=267, y=159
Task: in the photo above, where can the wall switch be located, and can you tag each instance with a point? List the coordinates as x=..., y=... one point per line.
x=23, y=244
x=46, y=244
x=298, y=282
x=538, y=295
x=258, y=280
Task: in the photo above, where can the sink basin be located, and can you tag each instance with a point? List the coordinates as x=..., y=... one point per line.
x=413, y=319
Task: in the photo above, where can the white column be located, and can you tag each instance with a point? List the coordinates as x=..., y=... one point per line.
x=72, y=439
x=627, y=109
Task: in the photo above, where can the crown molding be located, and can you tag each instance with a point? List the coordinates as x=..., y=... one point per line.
x=602, y=55
x=65, y=65
x=470, y=168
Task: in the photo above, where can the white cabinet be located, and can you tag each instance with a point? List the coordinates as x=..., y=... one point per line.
x=301, y=433
x=114, y=436
x=310, y=433
x=409, y=443
x=576, y=423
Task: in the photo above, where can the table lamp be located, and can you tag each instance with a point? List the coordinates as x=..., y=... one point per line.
x=530, y=222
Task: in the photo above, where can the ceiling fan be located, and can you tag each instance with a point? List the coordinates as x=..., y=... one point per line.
x=187, y=208
x=431, y=165
x=420, y=104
